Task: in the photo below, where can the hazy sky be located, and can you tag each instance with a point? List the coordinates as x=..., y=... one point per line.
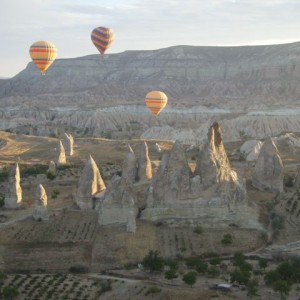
x=141, y=24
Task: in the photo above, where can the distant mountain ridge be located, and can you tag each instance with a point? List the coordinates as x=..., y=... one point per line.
x=225, y=77
x=252, y=91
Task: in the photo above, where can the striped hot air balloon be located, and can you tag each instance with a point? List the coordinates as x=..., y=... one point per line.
x=156, y=101
x=102, y=38
x=43, y=54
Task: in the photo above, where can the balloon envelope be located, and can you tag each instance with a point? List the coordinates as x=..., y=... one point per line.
x=102, y=38
x=156, y=101
x=43, y=54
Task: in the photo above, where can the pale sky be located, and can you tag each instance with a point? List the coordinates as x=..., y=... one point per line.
x=141, y=25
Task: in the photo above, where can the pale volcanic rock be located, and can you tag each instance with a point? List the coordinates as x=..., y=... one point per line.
x=268, y=171
x=52, y=168
x=248, y=146
x=118, y=205
x=40, y=210
x=90, y=184
x=287, y=144
x=212, y=164
x=144, y=163
x=214, y=196
x=69, y=144
x=13, y=198
x=61, y=157
x=131, y=223
x=251, y=149
x=129, y=168
x=172, y=180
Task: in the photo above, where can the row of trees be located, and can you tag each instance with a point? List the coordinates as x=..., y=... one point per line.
x=7, y=292
x=281, y=279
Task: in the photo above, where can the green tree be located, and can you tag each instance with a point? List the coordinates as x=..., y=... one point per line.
x=271, y=277
x=171, y=274
x=252, y=288
x=10, y=292
x=153, y=262
x=201, y=267
x=238, y=258
x=213, y=272
x=263, y=263
x=282, y=287
x=242, y=277
x=190, y=278
x=227, y=239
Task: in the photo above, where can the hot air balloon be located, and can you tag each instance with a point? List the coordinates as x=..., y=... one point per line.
x=102, y=38
x=43, y=54
x=156, y=101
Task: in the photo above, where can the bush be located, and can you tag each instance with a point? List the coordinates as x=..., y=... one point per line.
x=153, y=262
x=227, y=239
x=190, y=278
x=105, y=286
x=153, y=290
x=171, y=274
x=198, y=230
x=78, y=269
x=33, y=170
x=55, y=193
x=242, y=277
x=4, y=174
x=2, y=201
x=50, y=175
x=277, y=221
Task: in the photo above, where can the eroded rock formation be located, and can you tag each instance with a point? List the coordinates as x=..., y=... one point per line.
x=251, y=149
x=118, y=205
x=61, y=157
x=13, y=198
x=213, y=165
x=268, y=171
x=90, y=184
x=52, y=168
x=213, y=196
x=69, y=144
x=129, y=168
x=40, y=210
x=144, y=163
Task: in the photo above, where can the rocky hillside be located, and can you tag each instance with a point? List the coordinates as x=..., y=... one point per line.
x=105, y=95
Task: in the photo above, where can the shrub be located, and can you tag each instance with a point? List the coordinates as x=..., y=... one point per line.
x=50, y=175
x=153, y=262
x=4, y=174
x=227, y=239
x=171, y=274
x=153, y=290
x=190, y=278
x=78, y=268
x=105, y=286
x=33, y=170
x=198, y=230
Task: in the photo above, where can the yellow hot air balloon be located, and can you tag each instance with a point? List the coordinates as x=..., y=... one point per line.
x=156, y=101
x=102, y=38
x=43, y=54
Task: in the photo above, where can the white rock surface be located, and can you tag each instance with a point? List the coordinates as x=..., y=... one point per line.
x=90, y=184
x=13, y=198
x=40, y=210
x=69, y=144
x=61, y=157
x=144, y=163
x=52, y=168
x=268, y=171
x=130, y=166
